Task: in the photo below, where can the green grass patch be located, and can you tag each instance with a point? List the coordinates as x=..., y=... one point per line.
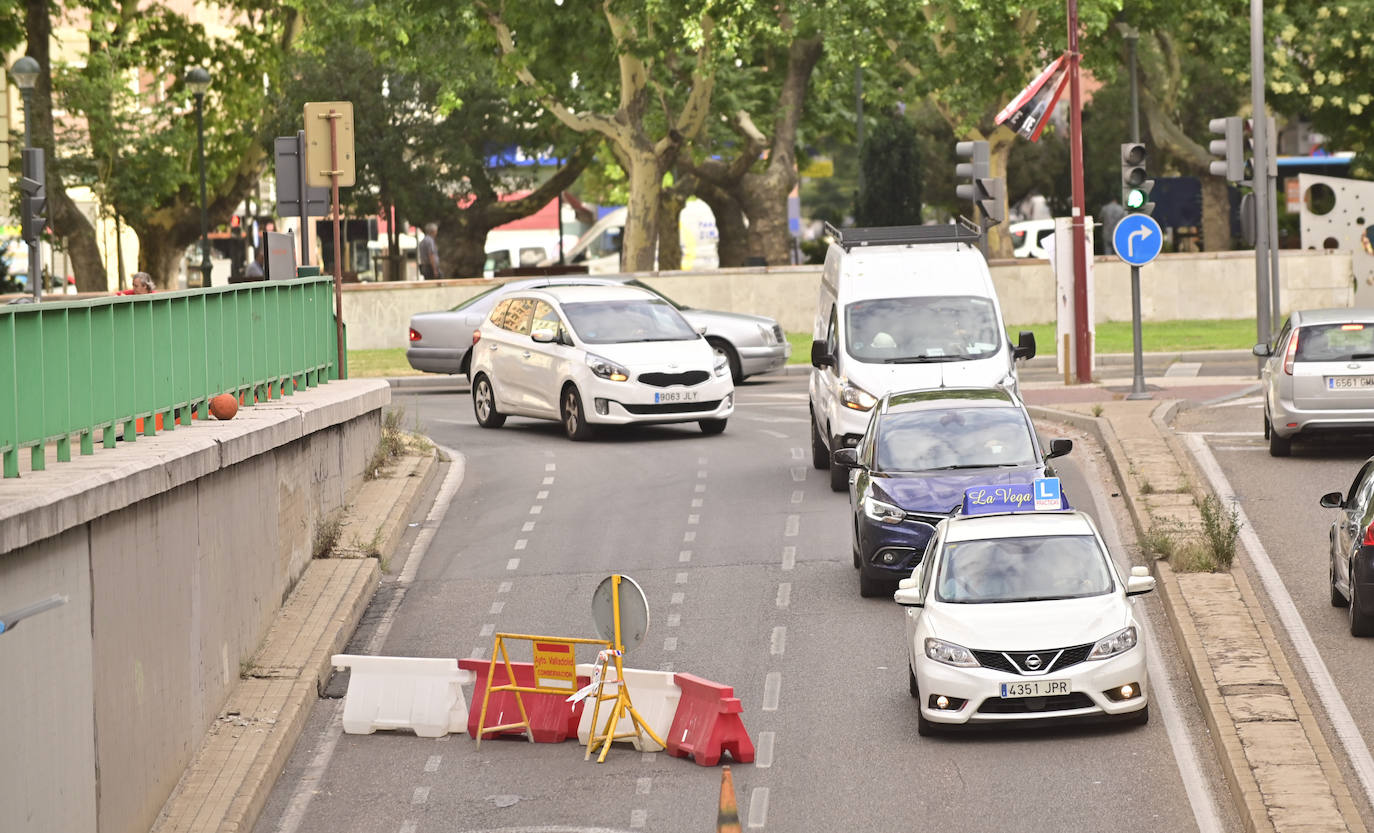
x=1156, y=336
x=801, y=348
x=377, y=363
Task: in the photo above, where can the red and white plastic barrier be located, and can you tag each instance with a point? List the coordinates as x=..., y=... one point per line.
x=654, y=695
x=707, y=723
x=552, y=718
x=417, y=693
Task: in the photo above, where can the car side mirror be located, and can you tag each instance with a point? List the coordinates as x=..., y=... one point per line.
x=820, y=357
x=701, y=331
x=1025, y=345
x=845, y=457
x=1261, y=350
x=544, y=336
x=908, y=583
x=911, y=597
x=1333, y=500
x=1137, y=585
x=1059, y=447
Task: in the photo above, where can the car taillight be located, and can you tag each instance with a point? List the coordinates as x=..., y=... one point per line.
x=414, y=334
x=1290, y=353
x=476, y=336
x=1368, y=536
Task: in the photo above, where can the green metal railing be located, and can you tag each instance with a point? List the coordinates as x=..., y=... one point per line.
x=68, y=369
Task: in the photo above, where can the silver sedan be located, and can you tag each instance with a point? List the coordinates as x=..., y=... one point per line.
x=1319, y=376
x=441, y=342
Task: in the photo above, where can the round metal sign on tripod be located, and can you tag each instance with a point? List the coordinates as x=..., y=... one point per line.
x=627, y=629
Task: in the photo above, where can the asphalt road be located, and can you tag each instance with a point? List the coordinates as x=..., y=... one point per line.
x=744, y=555
x=1279, y=500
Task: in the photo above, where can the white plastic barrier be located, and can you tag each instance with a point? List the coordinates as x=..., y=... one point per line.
x=421, y=694
x=653, y=694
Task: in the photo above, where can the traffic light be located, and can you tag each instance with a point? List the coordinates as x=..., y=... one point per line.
x=1135, y=188
x=33, y=204
x=1231, y=149
x=983, y=190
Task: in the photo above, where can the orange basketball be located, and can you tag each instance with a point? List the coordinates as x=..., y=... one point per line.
x=224, y=406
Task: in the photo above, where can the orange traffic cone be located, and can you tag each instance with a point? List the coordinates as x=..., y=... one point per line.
x=727, y=821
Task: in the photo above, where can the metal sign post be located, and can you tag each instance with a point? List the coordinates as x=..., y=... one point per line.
x=1137, y=240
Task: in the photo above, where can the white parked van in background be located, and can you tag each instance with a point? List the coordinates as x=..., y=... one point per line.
x=599, y=248
x=901, y=308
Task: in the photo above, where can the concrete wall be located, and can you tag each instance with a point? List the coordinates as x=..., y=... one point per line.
x=1205, y=285
x=175, y=551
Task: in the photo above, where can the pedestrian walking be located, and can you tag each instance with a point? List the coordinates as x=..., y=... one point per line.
x=428, y=253
x=1112, y=213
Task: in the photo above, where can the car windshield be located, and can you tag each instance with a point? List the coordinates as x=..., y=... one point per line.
x=950, y=438
x=479, y=296
x=923, y=329
x=609, y=322
x=1335, y=343
x=1041, y=568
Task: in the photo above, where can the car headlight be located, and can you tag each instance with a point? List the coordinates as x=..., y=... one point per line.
x=853, y=396
x=883, y=512
x=607, y=369
x=949, y=653
x=1118, y=643
x=766, y=334
x=722, y=365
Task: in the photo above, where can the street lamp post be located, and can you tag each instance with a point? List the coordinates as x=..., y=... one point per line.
x=198, y=79
x=25, y=72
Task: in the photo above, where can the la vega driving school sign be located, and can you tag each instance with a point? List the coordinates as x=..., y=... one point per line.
x=1041, y=495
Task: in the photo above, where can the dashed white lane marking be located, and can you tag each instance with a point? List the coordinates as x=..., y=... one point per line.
x=784, y=594
x=542, y=494
x=798, y=495
x=496, y=608
x=535, y=510
x=772, y=690
x=487, y=630
x=528, y=527
x=793, y=526
x=689, y=537
x=432, y=765
x=700, y=487
x=758, y=808
x=701, y=475
x=550, y=467
x=420, y=796
x=548, y=481
x=643, y=785
x=409, y=826
x=696, y=502
x=763, y=755
x=693, y=519
x=680, y=578
x=674, y=619
x=798, y=454
x=777, y=643
x=789, y=557
x=684, y=556
x=665, y=666
x=478, y=652
x=503, y=587
x=677, y=598
x=701, y=461
x=770, y=432
x=646, y=757
x=1342, y=722
x=520, y=543
x=638, y=818
x=670, y=643
x=513, y=564
x=798, y=474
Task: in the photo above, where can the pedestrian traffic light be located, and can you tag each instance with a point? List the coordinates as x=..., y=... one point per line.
x=1135, y=187
x=983, y=190
x=34, y=196
x=1231, y=149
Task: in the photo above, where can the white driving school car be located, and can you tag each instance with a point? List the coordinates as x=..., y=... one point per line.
x=596, y=355
x=1018, y=614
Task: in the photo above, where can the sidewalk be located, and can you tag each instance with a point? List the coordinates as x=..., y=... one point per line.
x=1278, y=767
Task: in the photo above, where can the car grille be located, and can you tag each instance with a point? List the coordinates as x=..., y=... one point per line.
x=663, y=380
x=672, y=407
x=777, y=333
x=922, y=518
x=1014, y=662
x=1034, y=705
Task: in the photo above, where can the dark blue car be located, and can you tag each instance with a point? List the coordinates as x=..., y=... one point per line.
x=921, y=451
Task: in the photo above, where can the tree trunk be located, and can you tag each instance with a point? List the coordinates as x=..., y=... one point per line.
x=732, y=242
x=641, y=226
x=670, y=204
x=1216, y=215
x=160, y=256
x=462, y=242
x=1000, y=143
x=66, y=220
x=764, y=199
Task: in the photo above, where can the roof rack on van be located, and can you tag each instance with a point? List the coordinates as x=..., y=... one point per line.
x=963, y=231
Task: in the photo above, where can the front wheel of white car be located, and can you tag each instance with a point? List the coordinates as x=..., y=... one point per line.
x=484, y=404
x=574, y=418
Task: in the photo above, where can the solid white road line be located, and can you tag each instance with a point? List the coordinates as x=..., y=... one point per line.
x=1342, y=723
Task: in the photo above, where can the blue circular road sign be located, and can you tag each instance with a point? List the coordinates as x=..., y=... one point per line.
x=1137, y=239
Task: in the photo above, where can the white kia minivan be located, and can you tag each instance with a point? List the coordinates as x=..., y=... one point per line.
x=901, y=308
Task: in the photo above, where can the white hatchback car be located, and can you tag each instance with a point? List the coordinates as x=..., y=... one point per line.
x=1017, y=616
x=596, y=355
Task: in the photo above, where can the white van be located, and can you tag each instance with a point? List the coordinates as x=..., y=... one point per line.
x=600, y=247
x=901, y=308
